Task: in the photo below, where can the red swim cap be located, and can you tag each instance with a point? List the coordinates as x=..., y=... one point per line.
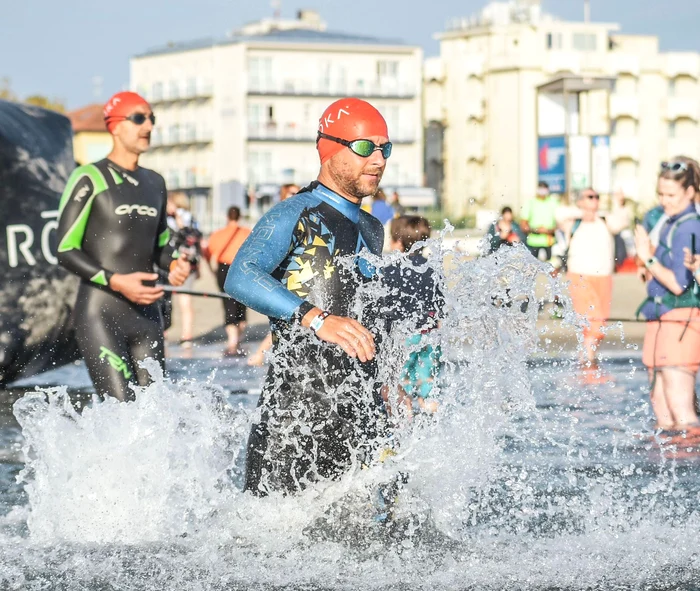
x=348, y=119
x=121, y=105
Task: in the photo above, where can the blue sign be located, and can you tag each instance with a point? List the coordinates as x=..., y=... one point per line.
x=551, y=156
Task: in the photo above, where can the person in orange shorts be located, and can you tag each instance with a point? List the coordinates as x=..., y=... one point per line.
x=672, y=341
x=590, y=262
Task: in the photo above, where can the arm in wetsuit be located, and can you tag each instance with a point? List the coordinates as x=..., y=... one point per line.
x=250, y=279
x=83, y=186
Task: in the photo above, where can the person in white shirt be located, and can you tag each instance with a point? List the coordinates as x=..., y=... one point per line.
x=591, y=261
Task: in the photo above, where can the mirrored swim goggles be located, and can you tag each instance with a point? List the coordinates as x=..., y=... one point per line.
x=364, y=148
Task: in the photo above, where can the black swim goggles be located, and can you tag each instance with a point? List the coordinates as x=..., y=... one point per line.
x=364, y=148
x=140, y=118
x=674, y=166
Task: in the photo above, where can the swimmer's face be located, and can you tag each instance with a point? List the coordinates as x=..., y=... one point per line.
x=135, y=138
x=356, y=176
x=673, y=197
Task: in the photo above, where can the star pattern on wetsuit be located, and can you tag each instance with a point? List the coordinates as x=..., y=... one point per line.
x=300, y=270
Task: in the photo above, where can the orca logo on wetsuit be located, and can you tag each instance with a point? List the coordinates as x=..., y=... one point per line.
x=138, y=209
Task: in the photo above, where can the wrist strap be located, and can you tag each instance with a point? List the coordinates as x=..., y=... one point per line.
x=317, y=322
x=302, y=311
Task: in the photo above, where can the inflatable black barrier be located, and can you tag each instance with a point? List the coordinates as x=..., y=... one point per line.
x=36, y=295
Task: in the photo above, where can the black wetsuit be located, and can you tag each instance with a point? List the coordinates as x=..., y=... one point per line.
x=320, y=409
x=113, y=220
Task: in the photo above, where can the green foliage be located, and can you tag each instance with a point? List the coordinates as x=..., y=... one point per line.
x=437, y=217
x=34, y=99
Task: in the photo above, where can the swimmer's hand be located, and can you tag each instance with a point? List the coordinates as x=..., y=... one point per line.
x=132, y=288
x=690, y=260
x=348, y=334
x=179, y=271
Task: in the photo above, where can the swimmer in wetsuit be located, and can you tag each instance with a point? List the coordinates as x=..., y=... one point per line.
x=321, y=406
x=112, y=230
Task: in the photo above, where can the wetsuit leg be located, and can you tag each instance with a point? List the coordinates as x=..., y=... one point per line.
x=107, y=358
x=146, y=342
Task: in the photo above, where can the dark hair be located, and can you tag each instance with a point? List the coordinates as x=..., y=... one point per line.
x=380, y=195
x=409, y=229
x=688, y=176
x=543, y=184
x=506, y=210
x=234, y=213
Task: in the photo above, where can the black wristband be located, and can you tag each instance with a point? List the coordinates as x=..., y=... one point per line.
x=302, y=311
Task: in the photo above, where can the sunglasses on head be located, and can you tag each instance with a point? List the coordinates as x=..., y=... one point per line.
x=593, y=196
x=674, y=166
x=364, y=148
x=140, y=118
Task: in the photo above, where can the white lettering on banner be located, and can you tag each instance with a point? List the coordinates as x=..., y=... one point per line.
x=24, y=248
x=13, y=249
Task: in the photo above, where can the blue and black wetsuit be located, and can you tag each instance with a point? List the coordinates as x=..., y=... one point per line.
x=320, y=409
x=113, y=220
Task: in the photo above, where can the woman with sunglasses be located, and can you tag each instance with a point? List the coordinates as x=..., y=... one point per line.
x=302, y=266
x=112, y=230
x=672, y=341
x=590, y=262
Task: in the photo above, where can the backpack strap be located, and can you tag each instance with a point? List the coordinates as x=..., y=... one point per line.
x=674, y=227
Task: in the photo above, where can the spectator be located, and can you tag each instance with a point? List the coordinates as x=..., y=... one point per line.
x=672, y=340
x=504, y=231
x=220, y=250
x=538, y=221
x=590, y=262
x=381, y=209
x=186, y=238
x=399, y=209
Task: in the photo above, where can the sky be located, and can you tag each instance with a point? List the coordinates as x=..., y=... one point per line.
x=59, y=49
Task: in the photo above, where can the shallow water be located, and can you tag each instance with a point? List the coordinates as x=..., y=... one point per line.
x=533, y=475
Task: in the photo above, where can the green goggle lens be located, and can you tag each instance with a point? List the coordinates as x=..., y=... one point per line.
x=366, y=148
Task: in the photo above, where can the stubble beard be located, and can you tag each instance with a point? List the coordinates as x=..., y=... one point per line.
x=356, y=187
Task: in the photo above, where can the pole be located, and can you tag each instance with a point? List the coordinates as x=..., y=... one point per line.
x=194, y=292
x=586, y=11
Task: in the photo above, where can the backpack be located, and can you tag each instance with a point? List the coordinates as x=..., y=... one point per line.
x=620, y=253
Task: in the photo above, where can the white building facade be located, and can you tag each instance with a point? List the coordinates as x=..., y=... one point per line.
x=483, y=91
x=241, y=114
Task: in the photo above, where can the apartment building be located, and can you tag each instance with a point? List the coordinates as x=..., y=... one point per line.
x=482, y=92
x=238, y=114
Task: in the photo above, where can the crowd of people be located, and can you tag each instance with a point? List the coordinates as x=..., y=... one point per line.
x=323, y=403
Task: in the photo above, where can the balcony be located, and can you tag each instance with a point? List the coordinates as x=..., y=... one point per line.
x=624, y=148
x=294, y=133
x=178, y=93
x=185, y=137
x=624, y=63
x=474, y=109
x=685, y=146
x=624, y=105
x=682, y=64
x=475, y=149
x=682, y=108
x=385, y=89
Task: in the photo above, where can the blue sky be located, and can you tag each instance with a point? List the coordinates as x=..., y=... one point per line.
x=48, y=49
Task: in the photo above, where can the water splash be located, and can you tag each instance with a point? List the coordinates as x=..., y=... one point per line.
x=511, y=484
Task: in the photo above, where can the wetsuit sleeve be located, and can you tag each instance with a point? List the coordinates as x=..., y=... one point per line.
x=164, y=253
x=74, y=212
x=250, y=279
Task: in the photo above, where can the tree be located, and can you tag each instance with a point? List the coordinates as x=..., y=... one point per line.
x=35, y=99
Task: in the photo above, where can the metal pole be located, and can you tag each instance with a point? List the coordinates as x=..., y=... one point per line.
x=586, y=11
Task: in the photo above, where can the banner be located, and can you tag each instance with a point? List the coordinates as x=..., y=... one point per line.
x=551, y=155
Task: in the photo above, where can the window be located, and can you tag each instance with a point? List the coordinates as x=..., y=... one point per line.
x=554, y=41
x=174, y=90
x=157, y=91
x=672, y=129
x=173, y=179
x=260, y=167
x=174, y=134
x=192, y=87
x=260, y=72
x=387, y=69
x=190, y=178
x=190, y=132
x=585, y=42
x=672, y=87
x=613, y=127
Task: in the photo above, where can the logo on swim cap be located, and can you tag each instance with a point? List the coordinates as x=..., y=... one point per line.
x=349, y=119
x=121, y=106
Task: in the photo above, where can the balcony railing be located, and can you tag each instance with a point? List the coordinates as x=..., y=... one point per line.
x=185, y=137
x=624, y=105
x=624, y=148
x=682, y=64
x=682, y=108
x=184, y=92
x=302, y=88
x=684, y=146
x=287, y=133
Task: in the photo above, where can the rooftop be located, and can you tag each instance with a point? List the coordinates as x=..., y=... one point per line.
x=87, y=118
x=308, y=28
